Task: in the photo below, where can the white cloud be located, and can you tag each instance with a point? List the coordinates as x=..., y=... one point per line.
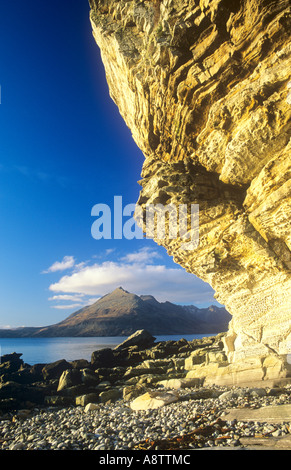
x=73, y=298
x=66, y=263
x=136, y=273
x=144, y=255
x=66, y=307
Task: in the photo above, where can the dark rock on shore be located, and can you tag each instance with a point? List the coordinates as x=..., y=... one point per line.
x=102, y=358
x=10, y=363
x=55, y=369
x=21, y=393
x=141, y=338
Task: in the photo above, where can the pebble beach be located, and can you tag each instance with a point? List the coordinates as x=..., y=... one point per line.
x=196, y=420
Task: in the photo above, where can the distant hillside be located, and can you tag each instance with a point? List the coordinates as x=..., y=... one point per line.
x=121, y=313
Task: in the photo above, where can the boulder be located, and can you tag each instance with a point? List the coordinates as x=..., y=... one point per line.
x=104, y=385
x=80, y=364
x=91, y=407
x=103, y=358
x=74, y=391
x=133, y=391
x=180, y=383
x=232, y=394
x=138, y=371
x=36, y=372
x=21, y=394
x=69, y=378
x=20, y=376
x=10, y=363
x=128, y=356
x=89, y=377
x=55, y=369
x=154, y=399
x=141, y=338
x=84, y=400
x=111, y=395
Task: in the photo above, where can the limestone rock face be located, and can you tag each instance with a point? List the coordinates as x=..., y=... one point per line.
x=204, y=87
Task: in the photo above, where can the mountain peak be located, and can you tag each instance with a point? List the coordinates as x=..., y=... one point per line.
x=119, y=291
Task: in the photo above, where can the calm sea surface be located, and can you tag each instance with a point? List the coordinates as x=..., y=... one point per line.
x=45, y=350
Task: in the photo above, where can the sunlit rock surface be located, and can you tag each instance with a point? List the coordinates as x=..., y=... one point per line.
x=204, y=87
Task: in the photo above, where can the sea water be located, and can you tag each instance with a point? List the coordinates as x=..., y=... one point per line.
x=46, y=350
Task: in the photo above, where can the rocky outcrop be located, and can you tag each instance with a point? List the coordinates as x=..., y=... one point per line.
x=144, y=375
x=203, y=86
x=136, y=366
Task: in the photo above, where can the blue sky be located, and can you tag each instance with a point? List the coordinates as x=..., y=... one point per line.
x=64, y=148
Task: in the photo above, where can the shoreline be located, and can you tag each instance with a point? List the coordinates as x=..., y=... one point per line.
x=50, y=349
x=132, y=397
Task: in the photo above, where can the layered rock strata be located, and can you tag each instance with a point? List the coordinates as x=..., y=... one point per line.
x=204, y=87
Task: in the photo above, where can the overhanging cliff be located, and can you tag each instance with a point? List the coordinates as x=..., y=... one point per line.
x=203, y=86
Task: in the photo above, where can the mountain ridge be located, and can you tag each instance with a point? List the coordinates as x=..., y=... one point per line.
x=121, y=313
